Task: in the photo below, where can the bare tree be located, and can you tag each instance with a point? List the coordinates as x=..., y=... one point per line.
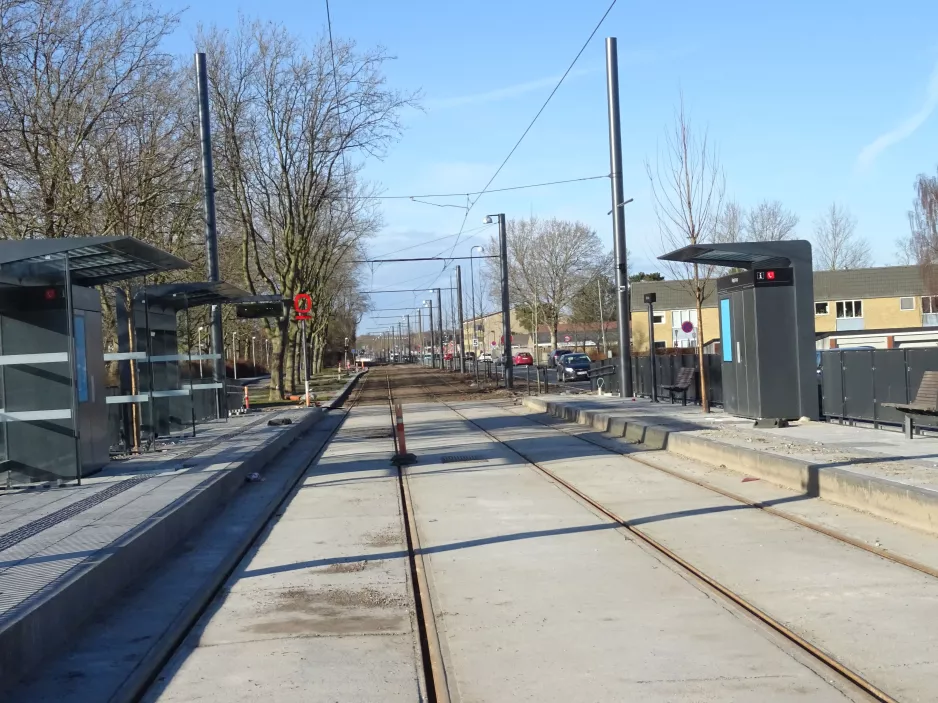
x=836, y=246
x=294, y=123
x=921, y=245
x=770, y=222
x=549, y=261
x=687, y=184
x=73, y=73
x=731, y=223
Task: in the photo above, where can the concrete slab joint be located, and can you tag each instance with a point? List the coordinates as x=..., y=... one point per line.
x=910, y=505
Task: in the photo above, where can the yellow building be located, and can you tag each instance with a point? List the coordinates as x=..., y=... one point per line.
x=884, y=307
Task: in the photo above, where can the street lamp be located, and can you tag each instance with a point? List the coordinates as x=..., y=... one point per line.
x=429, y=304
x=234, y=353
x=506, y=320
x=472, y=277
x=200, y=351
x=253, y=359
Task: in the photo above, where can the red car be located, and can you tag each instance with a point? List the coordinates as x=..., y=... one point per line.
x=448, y=356
x=523, y=359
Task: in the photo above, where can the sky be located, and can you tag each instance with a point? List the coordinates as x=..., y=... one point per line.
x=805, y=102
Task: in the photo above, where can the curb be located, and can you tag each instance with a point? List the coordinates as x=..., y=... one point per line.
x=908, y=505
x=50, y=623
x=346, y=391
x=140, y=679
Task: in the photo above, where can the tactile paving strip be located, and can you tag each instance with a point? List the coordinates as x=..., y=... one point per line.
x=11, y=539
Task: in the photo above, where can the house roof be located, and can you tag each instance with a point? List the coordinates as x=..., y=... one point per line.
x=879, y=282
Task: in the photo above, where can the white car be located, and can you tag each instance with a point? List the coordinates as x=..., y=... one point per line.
x=485, y=356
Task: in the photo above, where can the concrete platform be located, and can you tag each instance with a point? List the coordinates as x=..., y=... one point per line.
x=321, y=609
x=875, y=470
x=67, y=552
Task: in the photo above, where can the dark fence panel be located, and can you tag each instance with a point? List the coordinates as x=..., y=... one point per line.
x=858, y=383
x=890, y=383
x=668, y=367
x=832, y=384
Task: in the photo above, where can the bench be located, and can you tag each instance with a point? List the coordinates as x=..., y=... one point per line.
x=924, y=405
x=685, y=377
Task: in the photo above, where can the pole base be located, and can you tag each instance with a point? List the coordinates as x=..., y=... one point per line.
x=403, y=459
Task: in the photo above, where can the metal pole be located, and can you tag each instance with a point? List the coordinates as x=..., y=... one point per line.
x=253, y=358
x=400, y=338
x=602, y=318
x=651, y=352
x=432, y=348
x=439, y=309
x=200, y=351
x=305, y=368
x=618, y=218
x=475, y=321
x=267, y=353
x=461, y=336
x=420, y=335
x=211, y=234
x=73, y=369
x=234, y=353
x=410, y=342
x=189, y=374
x=506, y=319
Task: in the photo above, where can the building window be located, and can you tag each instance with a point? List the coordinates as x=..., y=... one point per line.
x=849, y=308
x=680, y=338
x=907, y=303
x=821, y=308
x=658, y=318
x=929, y=304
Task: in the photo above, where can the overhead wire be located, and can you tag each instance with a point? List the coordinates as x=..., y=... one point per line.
x=537, y=115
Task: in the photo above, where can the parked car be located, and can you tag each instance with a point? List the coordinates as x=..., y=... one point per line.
x=523, y=359
x=448, y=356
x=556, y=354
x=485, y=356
x=573, y=367
x=470, y=356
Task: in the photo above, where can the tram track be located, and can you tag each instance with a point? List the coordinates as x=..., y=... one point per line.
x=816, y=653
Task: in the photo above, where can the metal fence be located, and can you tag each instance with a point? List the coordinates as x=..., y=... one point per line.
x=667, y=366
x=855, y=383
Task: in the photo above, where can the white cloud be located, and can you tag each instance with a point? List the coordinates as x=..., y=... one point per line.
x=904, y=129
x=511, y=91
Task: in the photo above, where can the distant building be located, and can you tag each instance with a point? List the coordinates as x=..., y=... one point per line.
x=884, y=307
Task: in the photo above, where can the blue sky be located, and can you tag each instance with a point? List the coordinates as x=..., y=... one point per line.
x=806, y=102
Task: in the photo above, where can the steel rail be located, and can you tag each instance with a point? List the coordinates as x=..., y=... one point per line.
x=796, y=639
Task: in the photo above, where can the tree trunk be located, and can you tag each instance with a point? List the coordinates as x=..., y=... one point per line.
x=704, y=399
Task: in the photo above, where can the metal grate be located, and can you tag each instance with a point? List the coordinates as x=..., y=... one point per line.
x=454, y=458
x=11, y=539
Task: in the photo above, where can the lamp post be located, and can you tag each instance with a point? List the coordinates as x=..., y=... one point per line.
x=472, y=277
x=506, y=319
x=429, y=305
x=253, y=358
x=234, y=353
x=200, y=351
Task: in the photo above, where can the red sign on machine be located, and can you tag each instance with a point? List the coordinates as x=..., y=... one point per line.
x=303, y=304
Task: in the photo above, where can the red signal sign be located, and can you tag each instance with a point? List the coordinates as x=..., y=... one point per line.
x=770, y=275
x=303, y=304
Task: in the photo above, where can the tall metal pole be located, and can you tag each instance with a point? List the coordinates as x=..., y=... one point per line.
x=305, y=368
x=472, y=287
x=461, y=335
x=234, y=353
x=420, y=334
x=602, y=318
x=410, y=342
x=506, y=313
x=618, y=218
x=211, y=234
x=400, y=337
x=432, y=348
x=651, y=346
x=439, y=309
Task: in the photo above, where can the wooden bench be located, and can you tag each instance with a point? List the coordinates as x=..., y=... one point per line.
x=685, y=377
x=924, y=405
